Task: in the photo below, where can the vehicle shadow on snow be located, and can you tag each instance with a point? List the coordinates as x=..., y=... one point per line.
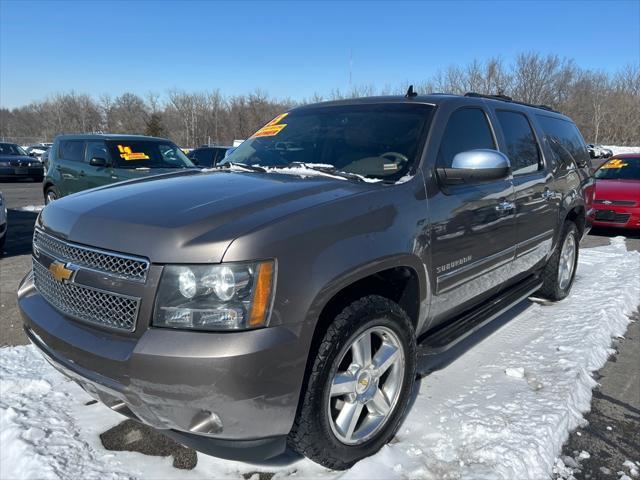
x=19, y=233
x=432, y=363
x=614, y=232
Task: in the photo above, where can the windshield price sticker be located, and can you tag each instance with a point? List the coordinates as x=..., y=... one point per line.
x=272, y=128
x=128, y=154
x=615, y=163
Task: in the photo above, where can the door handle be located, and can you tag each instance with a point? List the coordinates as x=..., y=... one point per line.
x=548, y=194
x=505, y=206
x=82, y=174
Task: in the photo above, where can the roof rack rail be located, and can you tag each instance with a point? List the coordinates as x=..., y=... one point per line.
x=505, y=98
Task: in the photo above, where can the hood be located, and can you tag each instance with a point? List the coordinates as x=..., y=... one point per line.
x=17, y=158
x=618, y=190
x=186, y=217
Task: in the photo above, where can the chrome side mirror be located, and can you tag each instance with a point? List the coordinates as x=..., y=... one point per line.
x=476, y=166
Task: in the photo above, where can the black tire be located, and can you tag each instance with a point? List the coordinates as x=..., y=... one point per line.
x=312, y=435
x=51, y=190
x=2, y=240
x=551, y=288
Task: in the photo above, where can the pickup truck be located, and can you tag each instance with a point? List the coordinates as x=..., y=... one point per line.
x=284, y=297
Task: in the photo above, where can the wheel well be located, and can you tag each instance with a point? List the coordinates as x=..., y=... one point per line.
x=45, y=187
x=399, y=284
x=577, y=216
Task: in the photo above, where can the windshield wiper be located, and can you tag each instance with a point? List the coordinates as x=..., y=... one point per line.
x=330, y=170
x=252, y=168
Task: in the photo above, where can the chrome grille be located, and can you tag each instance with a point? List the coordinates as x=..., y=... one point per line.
x=85, y=303
x=123, y=266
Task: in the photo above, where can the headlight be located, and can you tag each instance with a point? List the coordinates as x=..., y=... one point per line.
x=231, y=296
x=5, y=164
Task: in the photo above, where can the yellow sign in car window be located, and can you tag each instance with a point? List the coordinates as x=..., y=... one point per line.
x=128, y=154
x=272, y=128
x=615, y=163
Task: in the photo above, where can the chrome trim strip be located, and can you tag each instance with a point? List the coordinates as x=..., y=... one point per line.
x=537, y=240
x=477, y=263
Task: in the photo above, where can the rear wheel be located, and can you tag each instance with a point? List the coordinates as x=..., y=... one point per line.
x=560, y=271
x=50, y=195
x=360, y=384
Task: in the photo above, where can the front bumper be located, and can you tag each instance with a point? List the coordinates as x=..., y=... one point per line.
x=616, y=216
x=232, y=395
x=21, y=172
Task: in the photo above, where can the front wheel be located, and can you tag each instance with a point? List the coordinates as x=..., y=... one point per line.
x=560, y=271
x=50, y=195
x=359, y=386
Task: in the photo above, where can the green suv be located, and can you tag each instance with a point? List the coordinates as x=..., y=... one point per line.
x=80, y=162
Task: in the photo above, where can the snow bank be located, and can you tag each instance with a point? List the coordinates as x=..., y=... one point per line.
x=502, y=410
x=618, y=149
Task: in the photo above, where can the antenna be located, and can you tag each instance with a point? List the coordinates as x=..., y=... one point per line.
x=410, y=93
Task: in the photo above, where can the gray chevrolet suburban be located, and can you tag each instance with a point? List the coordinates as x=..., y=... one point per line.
x=284, y=297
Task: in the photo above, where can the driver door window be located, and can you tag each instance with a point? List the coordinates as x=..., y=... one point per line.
x=467, y=129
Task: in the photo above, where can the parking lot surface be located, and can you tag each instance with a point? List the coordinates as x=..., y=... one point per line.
x=611, y=437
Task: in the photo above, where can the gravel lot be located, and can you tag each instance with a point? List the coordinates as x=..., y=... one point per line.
x=611, y=437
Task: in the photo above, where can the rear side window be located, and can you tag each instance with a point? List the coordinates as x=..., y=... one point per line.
x=565, y=141
x=467, y=129
x=72, y=150
x=521, y=145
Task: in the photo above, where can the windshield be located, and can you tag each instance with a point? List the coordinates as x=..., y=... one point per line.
x=381, y=141
x=620, y=169
x=147, y=154
x=11, y=149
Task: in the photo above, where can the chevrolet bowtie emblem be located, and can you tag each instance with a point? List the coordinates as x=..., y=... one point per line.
x=60, y=272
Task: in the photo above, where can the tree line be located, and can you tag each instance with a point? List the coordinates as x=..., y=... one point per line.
x=605, y=106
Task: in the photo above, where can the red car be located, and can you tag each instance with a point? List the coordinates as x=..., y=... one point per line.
x=617, y=196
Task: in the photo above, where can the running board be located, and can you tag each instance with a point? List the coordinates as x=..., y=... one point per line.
x=444, y=337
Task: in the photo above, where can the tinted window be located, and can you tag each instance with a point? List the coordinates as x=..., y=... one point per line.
x=467, y=129
x=521, y=145
x=373, y=140
x=203, y=157
x=72, y=150
x=565, y=141
x=147, y=154
x=96, y=150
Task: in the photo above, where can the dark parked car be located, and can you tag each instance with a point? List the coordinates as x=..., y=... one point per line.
x=207, y=156
x=15, y=163
x=81, y=162
x=280, y=300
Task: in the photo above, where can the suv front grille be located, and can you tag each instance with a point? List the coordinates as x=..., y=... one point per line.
x=123, y=266
x=87, y=304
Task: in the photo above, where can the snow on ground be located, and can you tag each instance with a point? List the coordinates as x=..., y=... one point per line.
x=618, y=150
x=501, y=410
x=30, y=208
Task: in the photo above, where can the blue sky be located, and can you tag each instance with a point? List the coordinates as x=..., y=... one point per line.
x=289, y=49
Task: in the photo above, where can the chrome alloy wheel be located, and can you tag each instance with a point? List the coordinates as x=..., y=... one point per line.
x=567, y=262
x=51, y=197
x=366, y=386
